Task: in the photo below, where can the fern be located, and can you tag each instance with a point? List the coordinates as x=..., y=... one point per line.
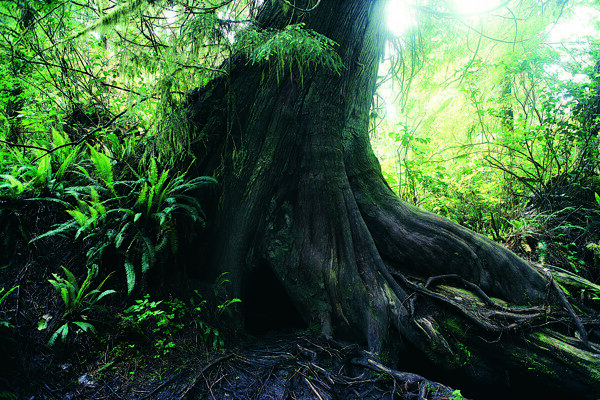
x=103, y=167
x=153, y=173
x=44, y=170
x=78, y=300
x=15, y=186
x=294, y=46
x=148, y=254
x=129, y=275
x=67, y=163
x=143, y=194
x=112, y=18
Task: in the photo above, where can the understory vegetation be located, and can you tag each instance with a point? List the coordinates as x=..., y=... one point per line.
x=103, y=219
x=503, y=139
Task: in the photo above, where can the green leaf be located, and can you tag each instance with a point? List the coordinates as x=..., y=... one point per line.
x=159, y=186
x=142, y=196
x=64, y=293
x=106, y=293
x=44, y=169
x=63, y=331
x=81, y=219
x=130, y=275
x=103, y=167
x=146, y=261
x=85, y=326
x=67, y=163
x=5, y=295
x=70, y=277
x=121, y=235
x=60, y=229
x=153, y=173
x=14, y=183
x=42, y=324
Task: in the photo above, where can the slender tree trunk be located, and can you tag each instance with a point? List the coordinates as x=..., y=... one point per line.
x=303, y=195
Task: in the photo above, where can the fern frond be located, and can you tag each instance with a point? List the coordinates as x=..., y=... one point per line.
x=130, y=276
x=148, y=254
x=67, y=163
x=142, y=196
x=60, y=228
x=85, y=326
x=44, y=170
x=159, y=187
x=80, y=218
x=121, y=235
x=153, y=173
x=103, y=167
x=162, y=244
x=13, y=183
x=292, y=46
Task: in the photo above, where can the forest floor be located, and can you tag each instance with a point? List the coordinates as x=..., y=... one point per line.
x=274, y=366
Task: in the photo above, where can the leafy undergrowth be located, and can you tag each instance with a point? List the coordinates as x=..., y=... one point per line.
x=127, y=351
x=561, y=227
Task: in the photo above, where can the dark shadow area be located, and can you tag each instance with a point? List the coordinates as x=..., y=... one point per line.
x=266, y=305
x=508, y=386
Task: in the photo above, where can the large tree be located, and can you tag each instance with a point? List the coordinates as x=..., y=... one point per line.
x=303, y=196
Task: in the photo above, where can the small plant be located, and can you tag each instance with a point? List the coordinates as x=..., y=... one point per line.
x=142, y=311
x=3, y=295
x=456, y=395
x=79, y=301
x=293, y=47
x=224, y=307
x=146, y=315
x=208, y=335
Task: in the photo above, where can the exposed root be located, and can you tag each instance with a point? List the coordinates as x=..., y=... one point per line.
x=498, y=318
x=415, y=382
x=309, y=368
x=583, y=335
x=434, y=280
x=488, y=319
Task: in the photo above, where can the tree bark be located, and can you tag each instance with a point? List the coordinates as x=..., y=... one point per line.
x=303, y=195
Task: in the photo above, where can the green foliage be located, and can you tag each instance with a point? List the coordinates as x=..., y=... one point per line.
x=79, y=301
x=491, y=132
x=459, y=189
x=456, y=395
x=3, y=295
x=135, y=218
x=148, y=313
x=294, y=47
x=160, y=320
x=141, y=312
x=111, y=19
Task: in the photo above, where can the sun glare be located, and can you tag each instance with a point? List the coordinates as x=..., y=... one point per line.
x=400, y=14
x=399, y=17
x=474, y=7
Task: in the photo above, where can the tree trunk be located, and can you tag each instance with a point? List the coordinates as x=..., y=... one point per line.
x=303, y=196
